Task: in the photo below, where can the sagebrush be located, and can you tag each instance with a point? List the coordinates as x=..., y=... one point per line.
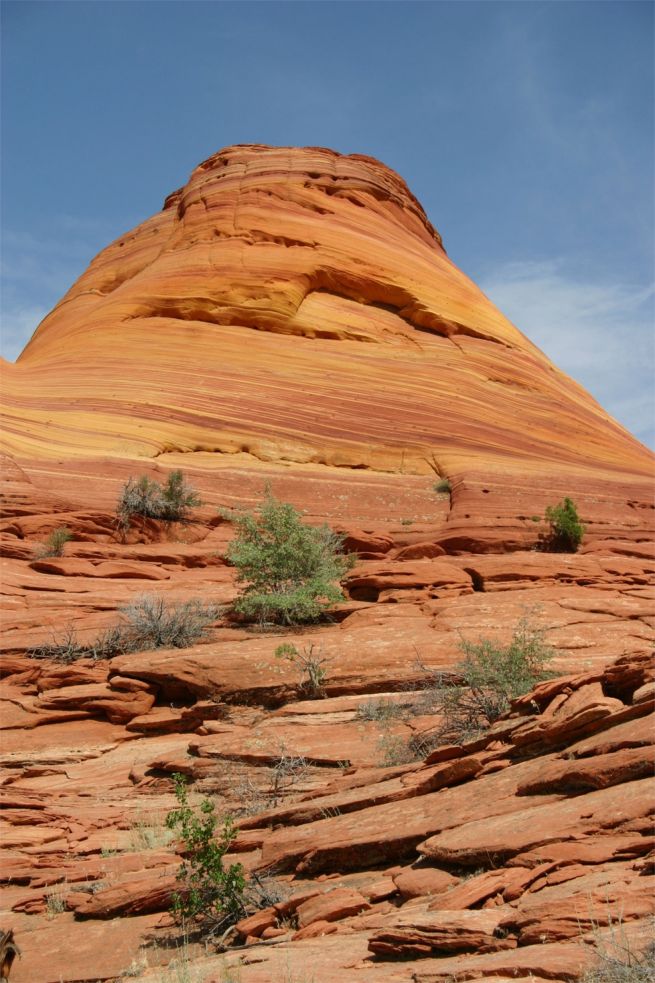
x=148, y=623
x=54, y=544
x=170, y=502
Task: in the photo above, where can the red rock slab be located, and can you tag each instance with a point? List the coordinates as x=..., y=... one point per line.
x=80, y=673
x=599, y=771
x=331, y=906
x=321, y=744
x=349, y=800
x=65, y=949
x=139, y=895
x=255, y=924
x=365, y=541
x=508, y=835
x=420, y=882
x=117, y=705
x=391, y=831
x=345, y=706
x=316, y=930
x=330, y=957
x=368, y=581
x=590, y=850
x=561, y=911
x=635, y=733
x=429, y=933
x=381, y=890
x=556, y=962
x=246, y=668
x=625, y=547
x=107, y=770
x=169, y=720
x=489, y=886
x=21, y=713
x=69, y=566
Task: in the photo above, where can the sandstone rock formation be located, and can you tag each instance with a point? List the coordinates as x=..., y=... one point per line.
x=292, y=318
x=297, y=305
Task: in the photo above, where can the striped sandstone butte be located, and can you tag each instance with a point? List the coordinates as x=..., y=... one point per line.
x=291, y=317
x=297, y=305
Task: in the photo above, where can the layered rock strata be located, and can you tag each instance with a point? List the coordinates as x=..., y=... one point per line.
x=296, y=305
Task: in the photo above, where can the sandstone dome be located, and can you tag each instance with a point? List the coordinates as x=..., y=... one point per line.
x=296, y=305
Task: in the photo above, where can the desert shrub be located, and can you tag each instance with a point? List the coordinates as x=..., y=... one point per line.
x=394, y=750
x=54, y=544
x=290, y=570
x=489, y=677
x=309, y=664
x=148, y=623
x=152, y=623
x=442, y=487
x=213, y=894
x=271, y=785
x=66, y=647
x=170, y=502
x=382, y=709
x=565, y=529
x=618, y=962
x=287, y=771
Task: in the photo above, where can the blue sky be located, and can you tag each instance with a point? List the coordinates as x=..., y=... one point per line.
x=525, y=129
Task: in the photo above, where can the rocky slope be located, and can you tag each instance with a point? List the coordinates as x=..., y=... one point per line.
x=291, y=318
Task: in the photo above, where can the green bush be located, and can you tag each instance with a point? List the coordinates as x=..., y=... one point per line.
x=54, y=544
x=566, y=531
x=212, y=893
x=443, y=487
x=290, y=569
x=170, y=502
x=489, y=677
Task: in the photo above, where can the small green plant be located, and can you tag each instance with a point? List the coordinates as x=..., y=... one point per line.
x=54, y=900
x=565, y=528
x=148, y=623
x=489, y=677
x=212, y=893
x=145, y=497
x=310, y=666
x=290, y=570
x=54, y=544
x=406, y=522
x=443, y=486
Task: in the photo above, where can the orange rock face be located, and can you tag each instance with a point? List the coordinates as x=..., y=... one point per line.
x=292, y=318
x=297, y=305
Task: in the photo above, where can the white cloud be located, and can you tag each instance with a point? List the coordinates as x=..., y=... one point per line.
x=599, y=333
